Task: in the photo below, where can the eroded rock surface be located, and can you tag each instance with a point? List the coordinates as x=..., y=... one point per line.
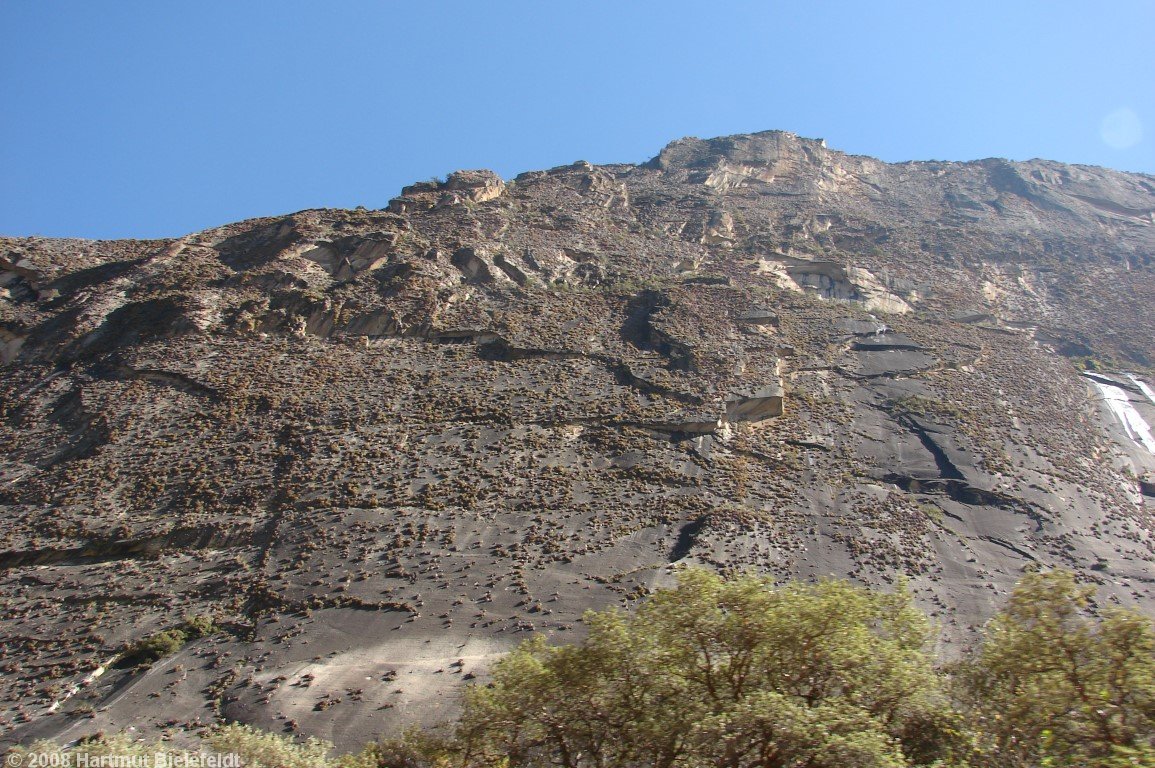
x=382, y=446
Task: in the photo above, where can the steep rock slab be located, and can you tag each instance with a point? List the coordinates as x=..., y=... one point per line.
x=379, y=447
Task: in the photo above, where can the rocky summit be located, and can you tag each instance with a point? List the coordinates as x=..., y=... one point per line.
x=365, y=452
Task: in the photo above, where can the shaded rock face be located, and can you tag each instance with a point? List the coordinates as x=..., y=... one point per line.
x=382, y=446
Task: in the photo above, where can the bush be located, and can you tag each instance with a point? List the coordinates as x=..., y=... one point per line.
x=154, y=647
x=258, y=749
x=1055, y=684
x=167, y=642
x=199, y=626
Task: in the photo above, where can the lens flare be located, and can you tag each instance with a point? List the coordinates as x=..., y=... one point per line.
x=1121, y=129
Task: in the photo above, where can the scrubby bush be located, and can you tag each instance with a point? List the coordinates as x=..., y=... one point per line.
x=258, y=749
x=199, y=626
x=1055, y=684
x=167, y=642
x=154, y=647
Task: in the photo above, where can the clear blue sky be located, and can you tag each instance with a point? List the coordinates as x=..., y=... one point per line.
x=126, y=118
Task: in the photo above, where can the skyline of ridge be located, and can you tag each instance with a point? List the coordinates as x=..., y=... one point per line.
x=145, y=120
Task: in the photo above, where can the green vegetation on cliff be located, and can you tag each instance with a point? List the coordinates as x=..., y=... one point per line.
x=741, y=673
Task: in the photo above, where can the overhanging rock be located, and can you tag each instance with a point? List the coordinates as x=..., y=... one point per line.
x=754, y=403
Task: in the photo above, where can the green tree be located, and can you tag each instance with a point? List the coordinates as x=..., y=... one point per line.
x=728, y=673
x=1055, y=684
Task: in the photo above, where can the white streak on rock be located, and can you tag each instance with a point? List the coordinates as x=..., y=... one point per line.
x=1146, y=389
x=1137, y=428
x=88, y=680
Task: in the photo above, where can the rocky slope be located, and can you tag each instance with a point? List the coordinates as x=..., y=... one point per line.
x=378, y=447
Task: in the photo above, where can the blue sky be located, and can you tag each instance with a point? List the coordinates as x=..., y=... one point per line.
x=148, y=119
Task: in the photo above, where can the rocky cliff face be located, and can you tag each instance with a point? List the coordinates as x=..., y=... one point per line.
x=382, y=446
